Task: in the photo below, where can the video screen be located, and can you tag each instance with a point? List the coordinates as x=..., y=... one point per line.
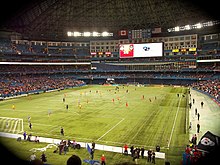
x=141, y=50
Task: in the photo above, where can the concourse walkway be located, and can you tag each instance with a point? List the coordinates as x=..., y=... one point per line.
x=209, y=119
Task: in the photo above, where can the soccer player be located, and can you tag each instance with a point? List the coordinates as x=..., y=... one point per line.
x=29, y=119
x=13, y=107
x=49, y=113
x=67, y=107
x=30, y=125
x=62, y=131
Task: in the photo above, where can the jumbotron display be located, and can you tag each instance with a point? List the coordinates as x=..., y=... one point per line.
x=141, y=50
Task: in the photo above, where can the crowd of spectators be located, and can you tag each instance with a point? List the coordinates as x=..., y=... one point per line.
x=24, y=84
x=211, y=87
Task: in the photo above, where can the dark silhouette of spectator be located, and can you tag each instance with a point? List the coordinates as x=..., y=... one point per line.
x=198, y=116
x=153, y=157
x=194, y=139
x=92, y=154
x=202, y=103
x=93, y=145
x=149, y=153
x=67, y=107
x=25, y=135
x=74, y=160
x=142, y=152
x=132, y=150
x=198, y=128
x=190, y=105
x=43, y=157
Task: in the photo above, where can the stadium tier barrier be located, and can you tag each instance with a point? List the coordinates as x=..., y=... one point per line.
x=160, y=155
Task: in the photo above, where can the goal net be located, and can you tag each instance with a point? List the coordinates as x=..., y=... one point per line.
x=11, y=125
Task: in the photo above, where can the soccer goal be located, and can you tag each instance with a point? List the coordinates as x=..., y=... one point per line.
x=11, y=125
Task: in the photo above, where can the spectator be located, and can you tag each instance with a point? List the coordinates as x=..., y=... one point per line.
x=93, y=145
x=126, y=149
x=33, y=156
x=25, y=135
x=43, y=157
x=153, y=157
x=103, y=159
x=74, y=160
x=198, y=128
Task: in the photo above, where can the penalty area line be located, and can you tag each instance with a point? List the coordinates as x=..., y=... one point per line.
x=111, y=129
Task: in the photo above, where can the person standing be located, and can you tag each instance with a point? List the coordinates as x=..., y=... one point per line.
x=195, y=111
x=142, y=152
x=149, y=153
x=190, y=125
x=93, y=145
x=103, y=159
x=25, y=135
x=202, y=103
x=67, y=107
x=92, y=153
x=29, y=119
x=131, y=150
x=30, y=126
x=198, y=128
x=125, y=149
x=65, y=148
x=62, y=131
x=153, y=157
x=198, y=116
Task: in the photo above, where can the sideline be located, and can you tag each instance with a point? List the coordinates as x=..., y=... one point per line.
x=174, y=123
x=159, y=155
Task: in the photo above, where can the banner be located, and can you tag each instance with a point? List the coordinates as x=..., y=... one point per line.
x=209, y=142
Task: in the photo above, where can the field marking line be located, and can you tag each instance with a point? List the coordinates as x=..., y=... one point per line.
x=6, y=109
x=76, y=113
x=174, y=123
x=111, y=129
x=39, y=124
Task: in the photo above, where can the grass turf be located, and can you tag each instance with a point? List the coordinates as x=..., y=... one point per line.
x=154, y=115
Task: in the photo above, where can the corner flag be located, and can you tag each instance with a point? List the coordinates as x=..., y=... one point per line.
x=89, y=149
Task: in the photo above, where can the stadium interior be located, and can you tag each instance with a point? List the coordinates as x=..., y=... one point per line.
x=61, y=44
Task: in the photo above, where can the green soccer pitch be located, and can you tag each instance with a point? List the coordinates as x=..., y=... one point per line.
x=136, y=115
